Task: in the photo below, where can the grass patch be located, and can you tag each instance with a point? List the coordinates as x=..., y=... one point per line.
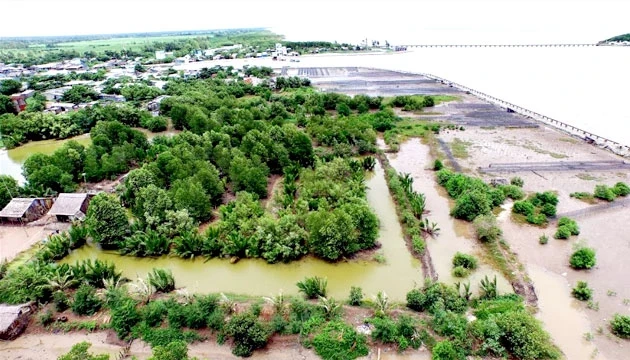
x=438, y=99
x=531, y=146
x=459, y=148
x=587, y=177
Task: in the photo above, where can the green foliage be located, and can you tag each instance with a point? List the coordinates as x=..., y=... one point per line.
x=313, y=287
x=248, y=334
x=487, y=228
x=124, y=316
x=436, y=296
x=445, y=350
x=464, y=260
x=488, y=288
x=79, y=351
x=438, y=165
x=517, y=181
x=460, y=271
x=604, y=192
x=470, y=205
x=368, y=163
x=9, y=87
x=620, y=326
x=79, y=94
x=563, y=232
x=95, y=272
x=8, y=189
x=176, y=350
x=338, y=340
x=162, y=280
x=7, y=106
x=523, y=207
x=46, y=318
x=85, y=301
x=385, y=330
x=583, y=258
x=543, y=239
x=164, y=336
x=107, y=220
x=356, y=296
x=621, y=189
x=61, y=301
x=582, y=292
x=512, y=191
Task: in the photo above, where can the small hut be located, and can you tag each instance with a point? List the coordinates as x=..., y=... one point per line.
x=25, y=209
x=13, y=319
x=70, y=207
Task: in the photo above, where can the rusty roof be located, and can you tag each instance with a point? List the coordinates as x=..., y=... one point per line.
x=16, y=208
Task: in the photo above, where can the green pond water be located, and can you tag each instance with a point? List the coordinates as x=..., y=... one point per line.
x=255, y=277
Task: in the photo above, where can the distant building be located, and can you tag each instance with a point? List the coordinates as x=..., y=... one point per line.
x=111, y=97
x=182, y=60
x=55, y=94
x=70, y=207
x=161, y=54
x=25, y=210
x=19, y=100
x=154, y=105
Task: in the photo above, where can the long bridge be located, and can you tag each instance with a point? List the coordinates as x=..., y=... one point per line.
x=494, y=45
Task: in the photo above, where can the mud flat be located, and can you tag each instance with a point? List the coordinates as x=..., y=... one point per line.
x=602, y=229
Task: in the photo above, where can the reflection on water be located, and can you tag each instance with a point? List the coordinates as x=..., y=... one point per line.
x=566, y=323
x=455, y=235
x=256, y=277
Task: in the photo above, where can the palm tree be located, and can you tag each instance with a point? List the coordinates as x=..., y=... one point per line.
x=331, y=307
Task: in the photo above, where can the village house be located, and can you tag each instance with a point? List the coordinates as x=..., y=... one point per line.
x=24, y=210
x=19, y=100
x=14, y=319
x=70, y=206
x=154, y=105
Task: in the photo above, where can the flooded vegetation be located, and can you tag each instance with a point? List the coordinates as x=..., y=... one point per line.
x=257, y=277
x=454, y=235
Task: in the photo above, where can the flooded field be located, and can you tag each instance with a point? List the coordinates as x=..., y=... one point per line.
x=454, y=235
x=255, y=277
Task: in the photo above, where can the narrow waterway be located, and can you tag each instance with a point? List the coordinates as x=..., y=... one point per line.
x=255, y=277
x=454, y=235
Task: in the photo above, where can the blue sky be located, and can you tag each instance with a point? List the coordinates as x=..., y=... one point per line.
x=420, y=21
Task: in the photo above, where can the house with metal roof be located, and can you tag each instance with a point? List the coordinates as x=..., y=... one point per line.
x=25, y=209
x=14, y=319
x=70, y=207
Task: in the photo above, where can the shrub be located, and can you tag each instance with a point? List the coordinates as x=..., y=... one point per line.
x=583, y=258
x=620, y=325
x=418, y=244
x=537, y=219
x=61, y=301
x=154, y=312
x=80, y=351
x=563, y=232
x=464, y=260
x=124, y=317
x=487, y=228
x=513, y=192
x=174, y=350
x=460, y=272
x=621, y=189
x=523, y=207
x=438, y=165
x=543, y=239
x=247, y=333
x=313, y=287
x=416, y=300
x=470, y=205
x=164, y=336
x=216, y=320
x=582, y=291
x=523, y=336
x=570, y=224
x=547, y=197
x=604, y=192
x=356, y=296
x=46, y=318
x=162, y=280
x=385, y=329
x=517, y=181
x=338, y=340
x=445, y=350
x=549, y=210
x=85, y=301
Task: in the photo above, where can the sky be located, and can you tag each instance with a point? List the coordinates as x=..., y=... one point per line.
x=399, y=21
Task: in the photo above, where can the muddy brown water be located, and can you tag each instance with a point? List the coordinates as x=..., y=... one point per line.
x=455, y=235
x=255, y=277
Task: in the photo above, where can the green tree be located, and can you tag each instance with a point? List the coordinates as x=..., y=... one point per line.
x=331, y=235
x=36, y=103
x=189, y=195
x=107, y=220
x=445, y=350
x=79, y=351
x=6, y=105
x=8, y=189
x=583, y=258
x=79, y=94
x=151, y=205
x=248, y=334
x=9, y=87
x=175, y=350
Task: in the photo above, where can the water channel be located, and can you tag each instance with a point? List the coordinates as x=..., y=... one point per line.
x=255, y=277
x=454, y=235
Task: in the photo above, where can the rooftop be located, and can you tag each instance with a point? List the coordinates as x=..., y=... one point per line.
x=16, y=208
x=8, y=314
x=68, y=204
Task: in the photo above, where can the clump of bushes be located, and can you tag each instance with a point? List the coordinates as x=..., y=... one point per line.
x=583, y=258
x=338, y=340
x=543, y=239
x=247, y=333
x=620, y=326
x=607, y=193
x=401, y=332
x=436, y=296
x=566, y=228
x=582, y=292
x=463, y=264
x=313, y=287
x=487, y=228
x=537, y=208
x=517, y=181
x=473, y=197
x=438, y=165
x=356, y=296
x=85, y=301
